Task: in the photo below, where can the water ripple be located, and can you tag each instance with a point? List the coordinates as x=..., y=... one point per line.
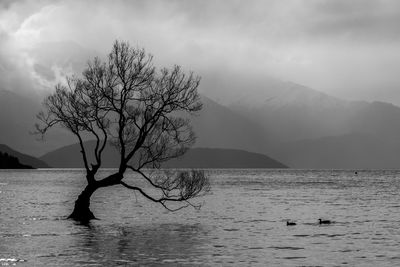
x=242, y=223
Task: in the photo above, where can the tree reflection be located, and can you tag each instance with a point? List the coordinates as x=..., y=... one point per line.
x=141, y=244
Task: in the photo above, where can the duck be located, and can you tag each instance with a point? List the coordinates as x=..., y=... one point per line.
x=324, y=221
x=288, y=223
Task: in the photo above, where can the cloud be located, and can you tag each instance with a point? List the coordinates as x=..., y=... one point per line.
x=346, y=48
x=362, y=20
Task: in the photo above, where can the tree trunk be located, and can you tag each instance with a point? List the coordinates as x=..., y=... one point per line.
x=82, y=212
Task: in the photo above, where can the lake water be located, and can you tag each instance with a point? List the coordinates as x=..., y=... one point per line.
x=242, y=221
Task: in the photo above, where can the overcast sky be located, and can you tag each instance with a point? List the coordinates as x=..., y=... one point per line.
x=346, y=48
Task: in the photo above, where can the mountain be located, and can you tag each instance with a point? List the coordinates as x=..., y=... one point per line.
x=20, y=100
x=223, y=158
x=219, y=127
x=215, y=126
x=288, y=111
x=295, y=112
x=311, y=129
x=10, y=162
x=17, y=118
x=289, y=122
x=23, y=158
x=292, y=112
x=70, y=157
x=321, y=132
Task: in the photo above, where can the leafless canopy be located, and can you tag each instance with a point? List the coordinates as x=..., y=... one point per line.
x=141, y=110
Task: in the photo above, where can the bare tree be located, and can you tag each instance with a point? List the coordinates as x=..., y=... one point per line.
x=142, y=112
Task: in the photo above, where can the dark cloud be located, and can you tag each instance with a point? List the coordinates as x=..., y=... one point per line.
x=45, y=72
x=5, y=4
x=342, y=47
x=359, y=20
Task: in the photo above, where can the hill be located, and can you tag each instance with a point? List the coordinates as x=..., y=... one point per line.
x=10, y=162
x=208, y=158
x=70, y=157
x=23, y=158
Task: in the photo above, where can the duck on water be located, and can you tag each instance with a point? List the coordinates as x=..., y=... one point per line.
x=290, y=223
x=324, y=221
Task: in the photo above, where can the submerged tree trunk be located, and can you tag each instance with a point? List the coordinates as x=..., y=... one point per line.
x=82, y=212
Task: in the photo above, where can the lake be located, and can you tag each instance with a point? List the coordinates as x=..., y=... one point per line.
x=242, y=221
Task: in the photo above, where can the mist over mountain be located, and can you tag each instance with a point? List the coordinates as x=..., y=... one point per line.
x=17, y=120
x=320, y=116
x=290, y=122
x=21, y=96
x=331, y=133
x=294, y=112
x=219, y=127
x=286, y=110
x=311, y=129
x=215, y=126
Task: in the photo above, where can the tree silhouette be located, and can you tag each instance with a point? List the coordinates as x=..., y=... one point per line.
x=140, y=110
